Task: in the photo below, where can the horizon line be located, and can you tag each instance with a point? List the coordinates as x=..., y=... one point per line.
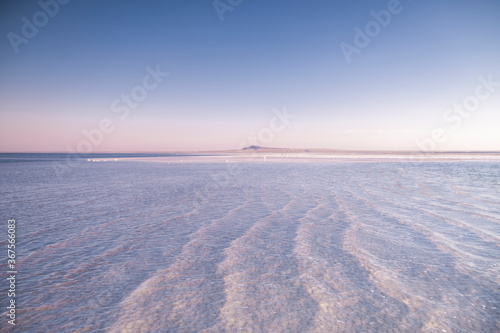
x=262, y=149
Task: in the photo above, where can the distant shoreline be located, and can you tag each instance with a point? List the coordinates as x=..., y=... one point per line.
x=316, y=155
x=269, y=150
x=262, y=154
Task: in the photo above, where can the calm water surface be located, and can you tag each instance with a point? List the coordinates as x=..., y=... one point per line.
x=253, y=247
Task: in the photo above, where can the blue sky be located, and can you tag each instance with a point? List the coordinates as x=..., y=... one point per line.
x=225, y=77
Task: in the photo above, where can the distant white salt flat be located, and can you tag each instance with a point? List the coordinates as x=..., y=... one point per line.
x=319, y=157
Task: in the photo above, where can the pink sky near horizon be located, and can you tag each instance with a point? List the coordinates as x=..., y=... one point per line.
x=225, y=78
x=141, y=135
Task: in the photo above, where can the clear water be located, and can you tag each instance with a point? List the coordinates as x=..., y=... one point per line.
x=254, y=247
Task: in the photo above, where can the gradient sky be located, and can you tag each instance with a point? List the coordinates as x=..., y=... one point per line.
x=227, y=76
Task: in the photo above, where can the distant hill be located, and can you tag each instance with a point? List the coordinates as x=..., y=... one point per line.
x=260, y=147
x=285, y=150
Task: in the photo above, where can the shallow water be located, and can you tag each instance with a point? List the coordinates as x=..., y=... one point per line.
x=255, y=247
